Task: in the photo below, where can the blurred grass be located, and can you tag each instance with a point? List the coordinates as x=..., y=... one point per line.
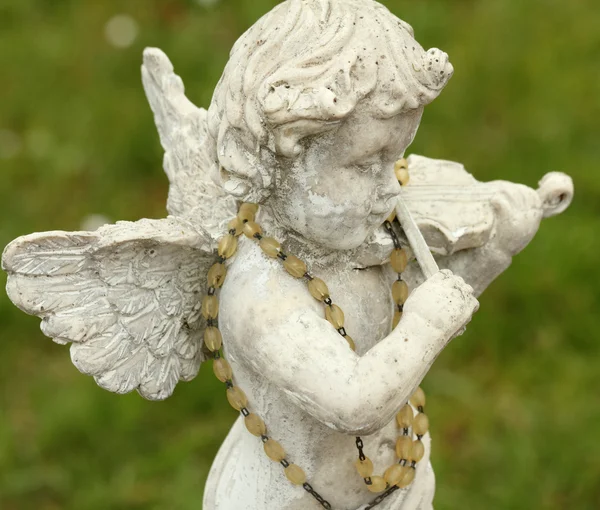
x=514, y=402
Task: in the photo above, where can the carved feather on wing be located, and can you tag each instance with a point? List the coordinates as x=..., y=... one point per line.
x=183, y=134
x=127, y=297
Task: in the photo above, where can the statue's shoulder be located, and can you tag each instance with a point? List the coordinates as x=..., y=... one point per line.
x=259, y=293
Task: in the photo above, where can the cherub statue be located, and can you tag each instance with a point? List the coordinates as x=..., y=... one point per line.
x=318, y=102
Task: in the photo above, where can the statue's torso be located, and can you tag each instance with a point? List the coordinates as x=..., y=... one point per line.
x=243, y=477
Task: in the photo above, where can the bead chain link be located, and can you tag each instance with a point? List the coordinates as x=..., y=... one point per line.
x=379, y=499
x=409, y=453
x=398, y=475
x=244, y=223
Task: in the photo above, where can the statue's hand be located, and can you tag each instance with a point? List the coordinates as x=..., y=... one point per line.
x=445, y=300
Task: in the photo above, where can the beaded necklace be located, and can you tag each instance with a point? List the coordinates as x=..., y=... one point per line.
x=408, y=451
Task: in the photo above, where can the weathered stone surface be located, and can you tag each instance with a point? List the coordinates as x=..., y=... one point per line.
x=320, y=98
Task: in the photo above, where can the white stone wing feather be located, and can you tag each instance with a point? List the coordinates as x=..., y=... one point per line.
x=184, y=136
x=127, y=296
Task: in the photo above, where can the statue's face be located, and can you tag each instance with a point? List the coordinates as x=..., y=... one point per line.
x=342, y=187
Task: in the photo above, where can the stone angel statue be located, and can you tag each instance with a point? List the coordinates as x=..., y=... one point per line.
x=306, y=131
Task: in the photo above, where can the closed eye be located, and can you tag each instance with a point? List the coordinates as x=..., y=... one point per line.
x=370, y=162
x=372, y=166
x=365, y=168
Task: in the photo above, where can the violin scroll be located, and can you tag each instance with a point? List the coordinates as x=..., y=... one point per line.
x=556, y=193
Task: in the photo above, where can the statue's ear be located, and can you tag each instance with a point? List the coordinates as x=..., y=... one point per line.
x=245, y=173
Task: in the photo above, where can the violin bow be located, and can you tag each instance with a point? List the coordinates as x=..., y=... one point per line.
x=416, y=240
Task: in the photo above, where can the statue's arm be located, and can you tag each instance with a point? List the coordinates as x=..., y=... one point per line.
x=310, y=362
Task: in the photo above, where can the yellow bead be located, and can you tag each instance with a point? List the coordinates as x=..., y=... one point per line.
x=401, y=164
x=391, y=217
x=408, y=478
x=403, y=177
x=377, y=484
x=216, y=275
x=294, y=266
x=237, y=225
x=401, y=171
x=397, y=318
x=212, y=339
x=255, y=425
x=270, y=246
x=418, y=398
x=318, y=289
x=405, y=417
x=222, y=369
x=418, y=451
x=227, y=246
x=251, y=229
x=237, y=398
x=364, y=467
x=399, y=260
x=351, y=343
x=394, y=474
x=404, y=447
x=421, y=424
x=334, y=314
x=210, y=307
x=295, y=474
x=247, y=212
x=274, y=450
x=400, y=292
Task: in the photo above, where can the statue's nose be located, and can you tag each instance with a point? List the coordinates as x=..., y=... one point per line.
x=556, y=192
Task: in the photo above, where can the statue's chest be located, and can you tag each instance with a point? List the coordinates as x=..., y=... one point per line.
x=365, y=297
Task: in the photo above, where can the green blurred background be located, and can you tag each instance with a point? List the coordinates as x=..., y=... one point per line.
x=514, y=402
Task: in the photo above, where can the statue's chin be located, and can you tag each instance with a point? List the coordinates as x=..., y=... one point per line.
x=346, y=243
x=333, y=234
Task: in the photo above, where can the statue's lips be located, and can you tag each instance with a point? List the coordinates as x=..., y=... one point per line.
x=379, y=211
x=384, y=208
x=378, y=218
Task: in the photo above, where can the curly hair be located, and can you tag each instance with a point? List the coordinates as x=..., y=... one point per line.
x=303, y=68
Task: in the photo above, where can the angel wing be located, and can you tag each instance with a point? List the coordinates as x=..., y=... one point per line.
x=127, y=297
x=183, y=134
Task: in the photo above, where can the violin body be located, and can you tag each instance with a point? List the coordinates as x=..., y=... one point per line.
x=473, y=228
